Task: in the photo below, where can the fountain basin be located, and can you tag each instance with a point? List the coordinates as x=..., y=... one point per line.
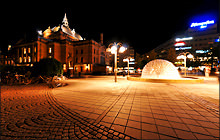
x=163, y=71
x=190, y=80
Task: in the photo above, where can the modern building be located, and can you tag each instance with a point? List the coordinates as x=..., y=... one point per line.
x=64, y=44
x=200, y=39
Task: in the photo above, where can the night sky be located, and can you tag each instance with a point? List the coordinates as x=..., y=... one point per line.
x=141, y=24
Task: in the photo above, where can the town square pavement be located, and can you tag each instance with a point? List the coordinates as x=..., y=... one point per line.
x=99, y=108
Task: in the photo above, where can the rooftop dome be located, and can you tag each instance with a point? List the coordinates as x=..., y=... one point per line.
x=65, y=28
x=70, y=32
x=160, y=69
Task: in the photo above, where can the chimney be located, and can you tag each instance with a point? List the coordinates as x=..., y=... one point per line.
x=101, y=38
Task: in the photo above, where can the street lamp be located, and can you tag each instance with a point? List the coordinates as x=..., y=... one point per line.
x=183, y=56
x=128, y=59
x=114, y=48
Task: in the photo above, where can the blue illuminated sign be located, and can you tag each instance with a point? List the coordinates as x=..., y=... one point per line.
x=217, y=40
x=202, y=25
x=202, y=51
x=183, y=48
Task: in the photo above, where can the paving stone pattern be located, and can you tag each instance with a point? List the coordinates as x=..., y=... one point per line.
x=156, y=114
x=163, y=113
x=126, y=110
x=199, y=100
x=143, y=110
x=31, y=112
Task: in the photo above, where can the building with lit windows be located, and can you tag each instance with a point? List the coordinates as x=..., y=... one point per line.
x=64, y=44
x=200, y=39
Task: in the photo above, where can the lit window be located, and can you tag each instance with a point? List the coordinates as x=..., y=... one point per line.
x=29, y=59
x=70, y=63
x=9, y=47
x=20, y=59
x=64, y=66
x=34, y=59
x=25, y=51
x=29, y=50
x=25, y=60
x=50, y=50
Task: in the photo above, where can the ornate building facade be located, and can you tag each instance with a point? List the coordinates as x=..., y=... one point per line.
x=60, y=42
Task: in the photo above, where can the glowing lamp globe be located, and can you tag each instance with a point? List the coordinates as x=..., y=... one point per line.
x=122, y=49
x=113, y=49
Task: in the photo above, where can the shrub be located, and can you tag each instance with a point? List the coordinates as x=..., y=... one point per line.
x=47, y=67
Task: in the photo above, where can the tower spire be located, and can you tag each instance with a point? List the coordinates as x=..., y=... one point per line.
x=65, y=21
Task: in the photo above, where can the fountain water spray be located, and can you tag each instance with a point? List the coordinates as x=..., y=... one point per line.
x=160, y=69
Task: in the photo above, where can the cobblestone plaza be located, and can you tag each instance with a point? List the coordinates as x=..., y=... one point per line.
x=98, y=108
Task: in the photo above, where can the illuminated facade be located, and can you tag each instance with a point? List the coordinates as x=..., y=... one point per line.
x=199, y=39
x=64, y=44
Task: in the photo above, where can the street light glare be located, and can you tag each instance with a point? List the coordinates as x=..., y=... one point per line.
x=122, y=49
x=125, y=60
x=180, y=57
x=190, y=56
x=113, y=49
x=184, y=56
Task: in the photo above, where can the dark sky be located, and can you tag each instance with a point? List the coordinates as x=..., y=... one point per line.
x=141, y=24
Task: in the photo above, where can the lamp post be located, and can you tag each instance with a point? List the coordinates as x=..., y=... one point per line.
x=128, y=59
x=183, y=56
x=114, y=48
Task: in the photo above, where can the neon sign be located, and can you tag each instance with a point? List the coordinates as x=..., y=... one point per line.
x=183, y=48
x=202, y=25
x=202, y=51
x=180, y=44
x=217, y=40
x=183, y=39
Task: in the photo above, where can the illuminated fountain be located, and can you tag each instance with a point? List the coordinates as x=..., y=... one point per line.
x=163, y=71
x=160, y=69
